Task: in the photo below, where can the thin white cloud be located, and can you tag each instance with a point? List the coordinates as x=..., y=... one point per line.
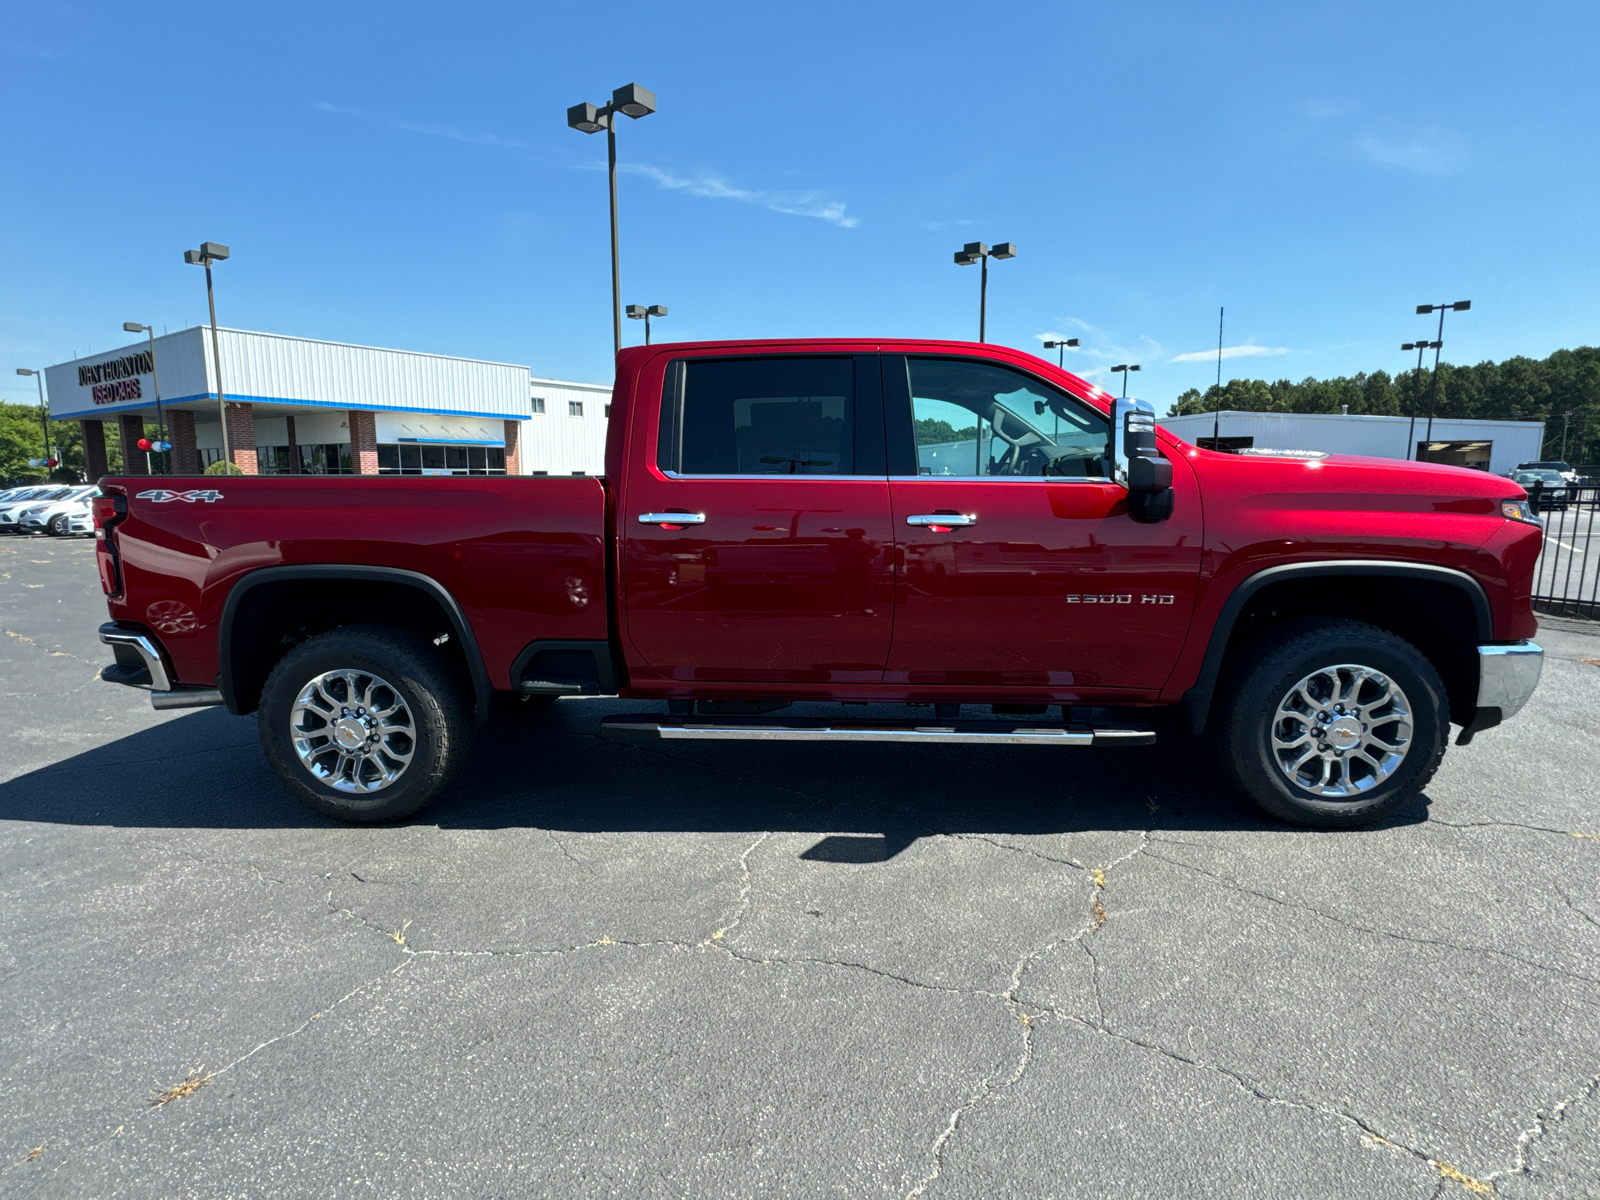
x=1230, y=352
x=799, y=204
x=425, y=129
x=1430, y=154
x=471, y=139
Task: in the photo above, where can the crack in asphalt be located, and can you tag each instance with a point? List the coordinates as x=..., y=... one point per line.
x=1334, y=918
x=985, y=1091
x=978, y=837
x=1512, y=825
x=1531, y=1136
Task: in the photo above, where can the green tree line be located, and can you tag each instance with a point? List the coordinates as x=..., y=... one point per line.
x=1518, y=389
x=21, y=438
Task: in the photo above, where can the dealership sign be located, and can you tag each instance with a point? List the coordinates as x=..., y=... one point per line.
x=117, y=378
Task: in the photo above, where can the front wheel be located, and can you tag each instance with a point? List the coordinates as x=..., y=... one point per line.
x=364, y=723
x=1334, y=726
x=58, y=524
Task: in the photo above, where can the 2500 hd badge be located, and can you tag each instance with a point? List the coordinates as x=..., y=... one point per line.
x=1122, y=598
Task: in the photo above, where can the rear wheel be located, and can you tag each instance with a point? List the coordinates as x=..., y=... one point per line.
x=364, y=723
x=1336, y=725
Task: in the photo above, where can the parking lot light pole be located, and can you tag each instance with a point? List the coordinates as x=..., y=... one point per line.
x=209, y=253
x=1416, y=390
x=44, y=417
x=639, y=312
x=981, y=252
x=1566, y=423
x=1438, y=344
x=633, y=101
x=155, y=375
x=1125, y=368
x=1061, y=349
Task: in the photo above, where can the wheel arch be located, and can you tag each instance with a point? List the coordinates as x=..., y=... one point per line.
x=1447, y=633
x=409, y=598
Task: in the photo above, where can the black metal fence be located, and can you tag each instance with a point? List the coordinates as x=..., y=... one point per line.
x=1566, y=582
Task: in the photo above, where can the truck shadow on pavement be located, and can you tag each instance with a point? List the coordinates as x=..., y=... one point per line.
x=553, y=771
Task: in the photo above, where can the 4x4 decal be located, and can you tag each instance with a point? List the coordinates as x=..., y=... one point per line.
x=163, y=496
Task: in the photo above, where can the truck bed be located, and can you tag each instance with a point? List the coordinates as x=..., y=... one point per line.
x=524, y=557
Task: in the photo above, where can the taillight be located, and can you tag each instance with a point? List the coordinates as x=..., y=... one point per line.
x=108, y=510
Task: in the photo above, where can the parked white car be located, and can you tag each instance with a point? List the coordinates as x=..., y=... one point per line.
x=52, y=517
x=11, y=510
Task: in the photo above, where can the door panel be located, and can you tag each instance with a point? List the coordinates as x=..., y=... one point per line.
x=1052, y=584
x=790, y=576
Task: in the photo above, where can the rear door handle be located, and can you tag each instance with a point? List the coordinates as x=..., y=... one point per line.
x=950, y=519
x=672, y=518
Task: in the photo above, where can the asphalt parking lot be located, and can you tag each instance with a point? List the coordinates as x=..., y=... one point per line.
x=596, y=970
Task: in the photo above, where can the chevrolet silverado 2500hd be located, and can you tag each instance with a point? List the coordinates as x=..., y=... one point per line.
x=943, y=525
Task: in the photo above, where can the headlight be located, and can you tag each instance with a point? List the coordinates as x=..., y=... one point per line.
x=1518, y=510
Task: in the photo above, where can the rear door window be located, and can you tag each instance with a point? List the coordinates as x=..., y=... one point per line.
x=760, y=416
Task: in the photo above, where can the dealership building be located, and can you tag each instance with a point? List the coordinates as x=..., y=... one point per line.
x=301, y=406
x=1495, y=446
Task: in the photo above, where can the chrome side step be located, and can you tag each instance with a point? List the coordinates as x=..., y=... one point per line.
x=654, y=727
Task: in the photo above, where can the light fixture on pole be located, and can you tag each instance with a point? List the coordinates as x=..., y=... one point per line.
x=161, y=443
x=1061, y=348
x=44, y=418
x=632, y=101
x=639, y=312
x=1125, y=368
x=209, y=253
x=1433, y=393
x=981, y=252
x=1416, y=391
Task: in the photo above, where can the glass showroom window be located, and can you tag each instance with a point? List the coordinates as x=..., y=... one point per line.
x=272, y=460
x=326, y=458
x=421, y=458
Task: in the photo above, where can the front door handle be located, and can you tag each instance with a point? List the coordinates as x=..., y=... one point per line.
x=952, y=520
x=672, y=518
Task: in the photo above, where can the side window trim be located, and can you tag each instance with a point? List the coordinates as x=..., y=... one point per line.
x=869, y=438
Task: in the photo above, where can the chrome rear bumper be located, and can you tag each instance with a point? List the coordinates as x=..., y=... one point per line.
x=140, y=664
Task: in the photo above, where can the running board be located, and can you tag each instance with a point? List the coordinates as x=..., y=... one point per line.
x=654, y=727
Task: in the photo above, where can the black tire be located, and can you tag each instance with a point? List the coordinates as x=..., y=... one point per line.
x=1265, y=675
x=58, y=524
x=436, y=735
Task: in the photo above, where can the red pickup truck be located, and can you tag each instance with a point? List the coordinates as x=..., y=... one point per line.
x=1011, y=554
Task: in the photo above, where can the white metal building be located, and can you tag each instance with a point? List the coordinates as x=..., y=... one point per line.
x=304, y=406
x=1495, y=446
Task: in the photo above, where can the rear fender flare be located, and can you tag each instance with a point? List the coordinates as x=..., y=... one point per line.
x=461, y=629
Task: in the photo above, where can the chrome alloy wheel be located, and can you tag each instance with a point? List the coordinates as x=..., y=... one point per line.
x=352, y=731
x=1342, y=731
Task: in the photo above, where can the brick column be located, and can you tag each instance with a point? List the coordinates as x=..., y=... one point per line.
x=130, y=426
x=94, y=450
x=513, y=449
x=242, y=436
x=364, y=442
x=185, y=454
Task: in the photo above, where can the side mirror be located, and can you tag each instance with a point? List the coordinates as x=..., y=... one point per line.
x=1137, y=463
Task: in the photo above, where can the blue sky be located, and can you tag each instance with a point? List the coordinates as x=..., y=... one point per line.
x=401, y=175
